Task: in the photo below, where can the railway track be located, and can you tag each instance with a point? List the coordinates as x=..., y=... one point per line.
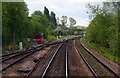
x=29, y=74
x=57, y=62
x=77, y=66
x=33, y=70
x=17, y=53
x=51, y=67
x=86, y=62
x=27, y=51
x=57, y=66
x=12, y=60
x=99, y=68
x=16, y=58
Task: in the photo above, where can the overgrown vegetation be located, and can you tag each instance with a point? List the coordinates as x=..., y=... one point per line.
x=103, y=29
x=18, y=26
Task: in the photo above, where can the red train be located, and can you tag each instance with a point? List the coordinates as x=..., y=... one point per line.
x=38, y=38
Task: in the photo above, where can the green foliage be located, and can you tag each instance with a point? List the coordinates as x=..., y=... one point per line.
x=39, y=23
x=103, y=28
x=46, y=13
x=102, y=50
x=53, y=19
x=14, y=22
x=81, y=27
x=50, y=18
x=17, y=26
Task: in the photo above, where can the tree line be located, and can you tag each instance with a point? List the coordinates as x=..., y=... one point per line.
x=103, y=29
x=17, y=25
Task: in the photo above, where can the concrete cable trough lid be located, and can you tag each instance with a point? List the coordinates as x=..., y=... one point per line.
x=25, y=69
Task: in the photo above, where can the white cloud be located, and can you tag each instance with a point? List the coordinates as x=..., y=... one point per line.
x=82, y=21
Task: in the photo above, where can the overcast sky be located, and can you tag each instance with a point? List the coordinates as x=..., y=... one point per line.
x=70, y=8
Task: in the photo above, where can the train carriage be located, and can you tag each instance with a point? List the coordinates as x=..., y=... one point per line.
x=38, y=38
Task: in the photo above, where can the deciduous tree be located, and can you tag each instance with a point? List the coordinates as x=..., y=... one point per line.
x=72, y=21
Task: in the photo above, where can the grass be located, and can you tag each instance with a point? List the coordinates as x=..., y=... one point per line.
x=103, y=51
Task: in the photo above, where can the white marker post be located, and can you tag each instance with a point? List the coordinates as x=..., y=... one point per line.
x=20, y=46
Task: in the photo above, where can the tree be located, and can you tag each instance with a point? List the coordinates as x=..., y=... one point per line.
x=40, y=23
x=14, y=22
x=53, y=19
x=5, y=29
x=46, y=12
x=17, y=26
x=64, y=20
x=103, y=28
x=72, y=21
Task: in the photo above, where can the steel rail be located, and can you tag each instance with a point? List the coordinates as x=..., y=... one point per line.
x=51, y=60
x=17, y=52
x=28, y=51
x=66, y=63
x=49, y=43
x=10, y=54
x=21, y=59
x=116, y=74
x=14, y=62
x=35, y=66
x=86, y=62
x=5, y=59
